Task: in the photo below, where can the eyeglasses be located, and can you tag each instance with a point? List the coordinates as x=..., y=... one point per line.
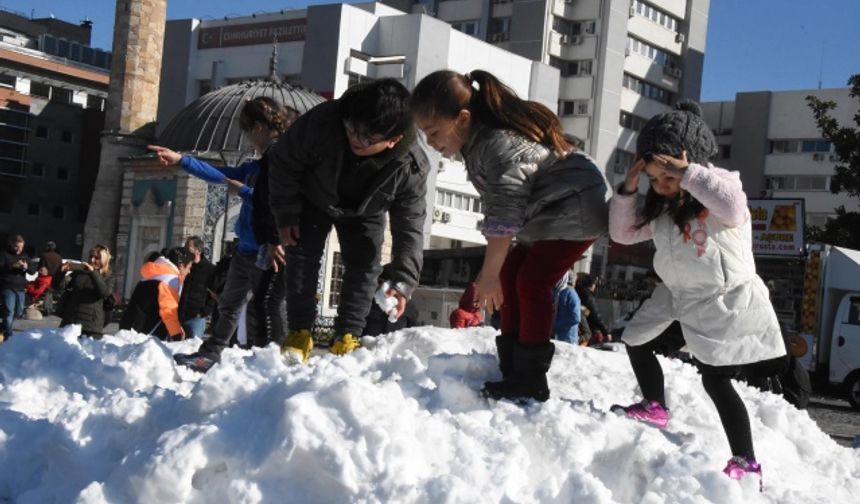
x=360, y=138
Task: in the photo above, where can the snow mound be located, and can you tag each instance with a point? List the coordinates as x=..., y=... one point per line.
x=399, y=420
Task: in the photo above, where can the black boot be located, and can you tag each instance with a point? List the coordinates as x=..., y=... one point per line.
x=528, y=381
x=505, y=349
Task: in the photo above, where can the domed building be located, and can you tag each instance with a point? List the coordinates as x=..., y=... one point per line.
x=161, y=207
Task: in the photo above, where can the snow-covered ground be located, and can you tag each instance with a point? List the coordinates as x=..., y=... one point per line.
x=396, y=421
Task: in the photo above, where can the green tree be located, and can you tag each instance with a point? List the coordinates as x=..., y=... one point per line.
x=844, y=230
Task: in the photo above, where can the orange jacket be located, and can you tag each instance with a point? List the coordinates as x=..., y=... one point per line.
x=169, y=285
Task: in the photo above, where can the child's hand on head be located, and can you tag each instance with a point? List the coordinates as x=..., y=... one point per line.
x=631, y=181
x=673, y=165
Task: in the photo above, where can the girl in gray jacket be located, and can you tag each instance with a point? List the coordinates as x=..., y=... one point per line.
x=538, y=192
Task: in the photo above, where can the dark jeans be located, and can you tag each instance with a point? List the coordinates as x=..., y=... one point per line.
x=360, y=244
x=12, y=308
x=242, y=278
x=717, y=383
x=269, y=300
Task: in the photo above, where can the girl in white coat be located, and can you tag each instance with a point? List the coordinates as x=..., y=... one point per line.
x=697, y=216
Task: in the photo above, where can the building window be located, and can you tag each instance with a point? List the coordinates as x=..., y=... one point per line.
x=573, y=107
x=42, y=132
x=203, y=87
x=95, y=102
x=458, y=201
x=622, y=161
x=33, y=209
x=62, y=174
x=8, y=80
x=336, y=284
x=632, y=121
x=571, y=68
x=61, y=95
x=59, y=212
x=467, y=27
x=654, y=14
x=797, y=183
x=647, y=89
x=39, y=89
x=815, y=146
x=794, y=146
x=500, y=29
x=37, y=169
x=659, y=56
x=66, y=136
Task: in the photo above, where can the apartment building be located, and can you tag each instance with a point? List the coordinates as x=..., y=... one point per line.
x=53, y=87
x=771, y=138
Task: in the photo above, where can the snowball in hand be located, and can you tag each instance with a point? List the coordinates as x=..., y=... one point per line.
x=387, y=303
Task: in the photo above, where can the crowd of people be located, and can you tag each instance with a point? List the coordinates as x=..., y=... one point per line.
x=350, y=162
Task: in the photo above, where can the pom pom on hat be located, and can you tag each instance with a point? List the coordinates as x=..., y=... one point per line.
x=680, y=129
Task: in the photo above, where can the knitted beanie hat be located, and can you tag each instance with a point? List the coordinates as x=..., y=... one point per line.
x=680, y=129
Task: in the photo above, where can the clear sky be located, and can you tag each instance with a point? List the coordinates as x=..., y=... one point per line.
x=753, y=45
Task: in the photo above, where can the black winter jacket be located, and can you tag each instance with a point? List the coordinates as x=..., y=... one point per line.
x=195, y=300
x=305, y=166
x=87, y=291
x=262, y=219
x=11, y=276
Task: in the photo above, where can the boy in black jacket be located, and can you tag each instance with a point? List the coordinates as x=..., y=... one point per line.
x=345, y=164
x=195, y=303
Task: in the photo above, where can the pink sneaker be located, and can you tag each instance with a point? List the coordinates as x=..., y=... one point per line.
x=738, y=466
x=650, y=412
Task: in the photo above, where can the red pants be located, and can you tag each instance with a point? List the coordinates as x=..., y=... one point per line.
x=528, y=276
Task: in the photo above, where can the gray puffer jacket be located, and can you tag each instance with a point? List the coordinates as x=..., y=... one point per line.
x=531, y=194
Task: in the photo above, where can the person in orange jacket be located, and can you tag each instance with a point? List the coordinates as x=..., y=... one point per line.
x=154, y=304
x=468, y=314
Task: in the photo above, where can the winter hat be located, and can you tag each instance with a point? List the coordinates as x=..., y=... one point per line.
x=678, y=130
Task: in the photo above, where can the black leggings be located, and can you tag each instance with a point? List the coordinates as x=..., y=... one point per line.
x=269, y=299
x=718, y=385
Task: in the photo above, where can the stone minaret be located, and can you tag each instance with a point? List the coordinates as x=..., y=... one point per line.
x=138, y=40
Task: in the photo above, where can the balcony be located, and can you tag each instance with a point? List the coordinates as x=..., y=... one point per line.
x=572, y=47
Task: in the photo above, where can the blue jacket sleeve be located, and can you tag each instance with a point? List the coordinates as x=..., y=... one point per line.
x=202, y=170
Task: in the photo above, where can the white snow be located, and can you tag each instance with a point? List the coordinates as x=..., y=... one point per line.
x=396, y=421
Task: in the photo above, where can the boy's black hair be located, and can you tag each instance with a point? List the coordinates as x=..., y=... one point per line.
x=377, y=108
x=179, y=256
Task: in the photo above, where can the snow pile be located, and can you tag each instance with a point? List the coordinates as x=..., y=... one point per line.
x=396, y=421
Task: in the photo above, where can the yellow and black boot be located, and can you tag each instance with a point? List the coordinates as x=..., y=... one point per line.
x=298, y=344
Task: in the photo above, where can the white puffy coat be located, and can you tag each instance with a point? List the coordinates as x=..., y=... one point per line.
x=710, y=283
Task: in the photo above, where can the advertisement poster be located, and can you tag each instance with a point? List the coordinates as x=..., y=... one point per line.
x=777, y=226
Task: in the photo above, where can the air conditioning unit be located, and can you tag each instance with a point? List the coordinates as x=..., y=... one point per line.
x=673, y=71
x=564, y=39
x=632, y=10
x=571, y=39
x=679, y=38
x=818, y=156
x=626, y=52
x=441, y=216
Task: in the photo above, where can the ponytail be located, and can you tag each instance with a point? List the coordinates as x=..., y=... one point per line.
x=267, y=112
x=444, y=93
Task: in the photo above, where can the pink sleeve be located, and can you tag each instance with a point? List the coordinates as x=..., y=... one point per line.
x=720, y=191
x=622, y=221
